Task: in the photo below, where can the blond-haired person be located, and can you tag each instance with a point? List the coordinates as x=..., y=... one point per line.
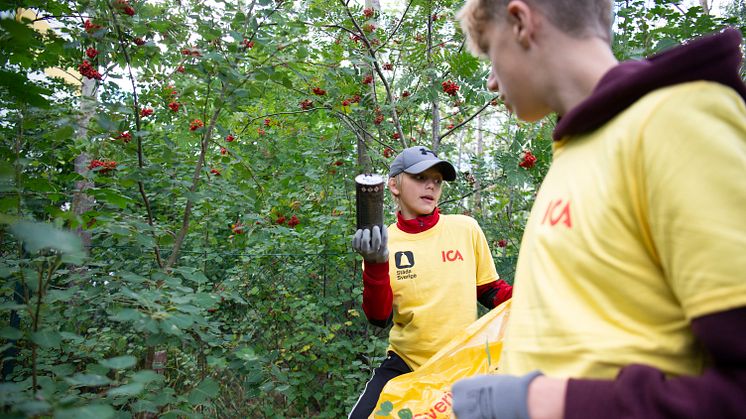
x=424, y=274
x=630, y=288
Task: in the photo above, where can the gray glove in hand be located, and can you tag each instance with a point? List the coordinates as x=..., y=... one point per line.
x=372, y=245
x=492, y=396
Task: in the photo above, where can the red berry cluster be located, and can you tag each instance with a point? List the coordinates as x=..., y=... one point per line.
x=388, y=66
x=379, y=117
x=247, y=44
x=405, y=93
x=369, y=27
x=145, y=112
x=194, y=52
x=355, y=38
x=229, y=138
x=354, y=99
x=174, y=106
x=90, y=27
x=139, y=41
x=395, y=136
x=87, y=70
x=369, y=12
x=450, y=87
x=435, y=17
x=306, y=104
x=260, y=131
x=91, y=52
x=293, y=221
x=103, y=166
x=267, y=122
x=319, y=91
x=215, y=172
x=237, y=228
x=223, y=151
x=502, y=243
x=388, y=152
x=125, y=7
x=280, y=220
x=529, y=160
x=125, y=136
x=196, y=124
x=450, y=126
x=368, y=79
x=180, y=69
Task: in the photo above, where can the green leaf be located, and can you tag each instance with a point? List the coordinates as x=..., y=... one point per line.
x=106, y=123
x=132, y=389
x=94, y=411
x=34, y=407
x=146, y=376
x=132, y=277
x=88, y=380
x=111, y=197
x=38, y=236
x=119, y=362
x=127, y=314
x=206, y=389
x=46, y=338
x=11, y=333
x=7, y=306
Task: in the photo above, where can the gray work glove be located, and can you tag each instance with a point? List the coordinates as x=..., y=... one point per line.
x=372, y=245
x=492, y=396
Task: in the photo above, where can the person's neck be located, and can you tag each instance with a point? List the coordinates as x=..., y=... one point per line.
x=578, y=66
x=417, y=223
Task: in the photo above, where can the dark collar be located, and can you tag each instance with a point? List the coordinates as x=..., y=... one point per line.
x=713, y=58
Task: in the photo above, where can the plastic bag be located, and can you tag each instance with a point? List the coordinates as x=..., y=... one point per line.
x=426, y=392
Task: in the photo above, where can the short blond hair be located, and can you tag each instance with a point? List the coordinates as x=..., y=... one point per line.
x=577, y=18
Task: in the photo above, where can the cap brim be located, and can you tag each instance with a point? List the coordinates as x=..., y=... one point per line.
x=446, y=169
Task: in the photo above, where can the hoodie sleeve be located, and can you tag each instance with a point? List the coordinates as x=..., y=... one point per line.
x=494, y=293
x=644, y=392
x=377, y=294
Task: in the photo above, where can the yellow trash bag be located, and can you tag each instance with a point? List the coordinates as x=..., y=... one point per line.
x=426, y=392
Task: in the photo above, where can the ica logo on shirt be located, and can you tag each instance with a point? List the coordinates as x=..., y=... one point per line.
x=558, y=212
x=451, y=255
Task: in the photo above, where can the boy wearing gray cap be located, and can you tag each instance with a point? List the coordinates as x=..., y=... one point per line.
x=424, y=274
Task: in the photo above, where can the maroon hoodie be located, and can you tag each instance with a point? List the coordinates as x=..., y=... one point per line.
x=641, y=391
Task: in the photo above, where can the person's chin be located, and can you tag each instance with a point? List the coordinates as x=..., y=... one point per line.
x=426, y=210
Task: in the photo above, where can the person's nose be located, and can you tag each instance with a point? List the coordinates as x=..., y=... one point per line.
x=492, y=83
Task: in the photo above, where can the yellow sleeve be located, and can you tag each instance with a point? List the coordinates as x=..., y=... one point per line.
x=694, y=179
x=486, y=271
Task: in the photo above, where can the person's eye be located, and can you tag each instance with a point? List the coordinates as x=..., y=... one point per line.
x=438, y=181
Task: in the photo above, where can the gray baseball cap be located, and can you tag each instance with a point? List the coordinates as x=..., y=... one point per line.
x=417, y=159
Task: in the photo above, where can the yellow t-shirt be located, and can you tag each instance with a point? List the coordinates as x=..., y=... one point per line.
x=434, y=275
x=639, y=227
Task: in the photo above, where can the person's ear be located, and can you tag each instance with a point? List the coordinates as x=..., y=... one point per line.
x=521, y=18
x=393, y=187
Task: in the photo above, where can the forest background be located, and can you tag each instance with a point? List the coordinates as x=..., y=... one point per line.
x=177, y=195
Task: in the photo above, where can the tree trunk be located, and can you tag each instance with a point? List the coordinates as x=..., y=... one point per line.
x=477, y=184
x=81, y=202
x=705, y=6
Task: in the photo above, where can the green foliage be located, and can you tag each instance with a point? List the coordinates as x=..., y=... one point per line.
x=152, y=266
